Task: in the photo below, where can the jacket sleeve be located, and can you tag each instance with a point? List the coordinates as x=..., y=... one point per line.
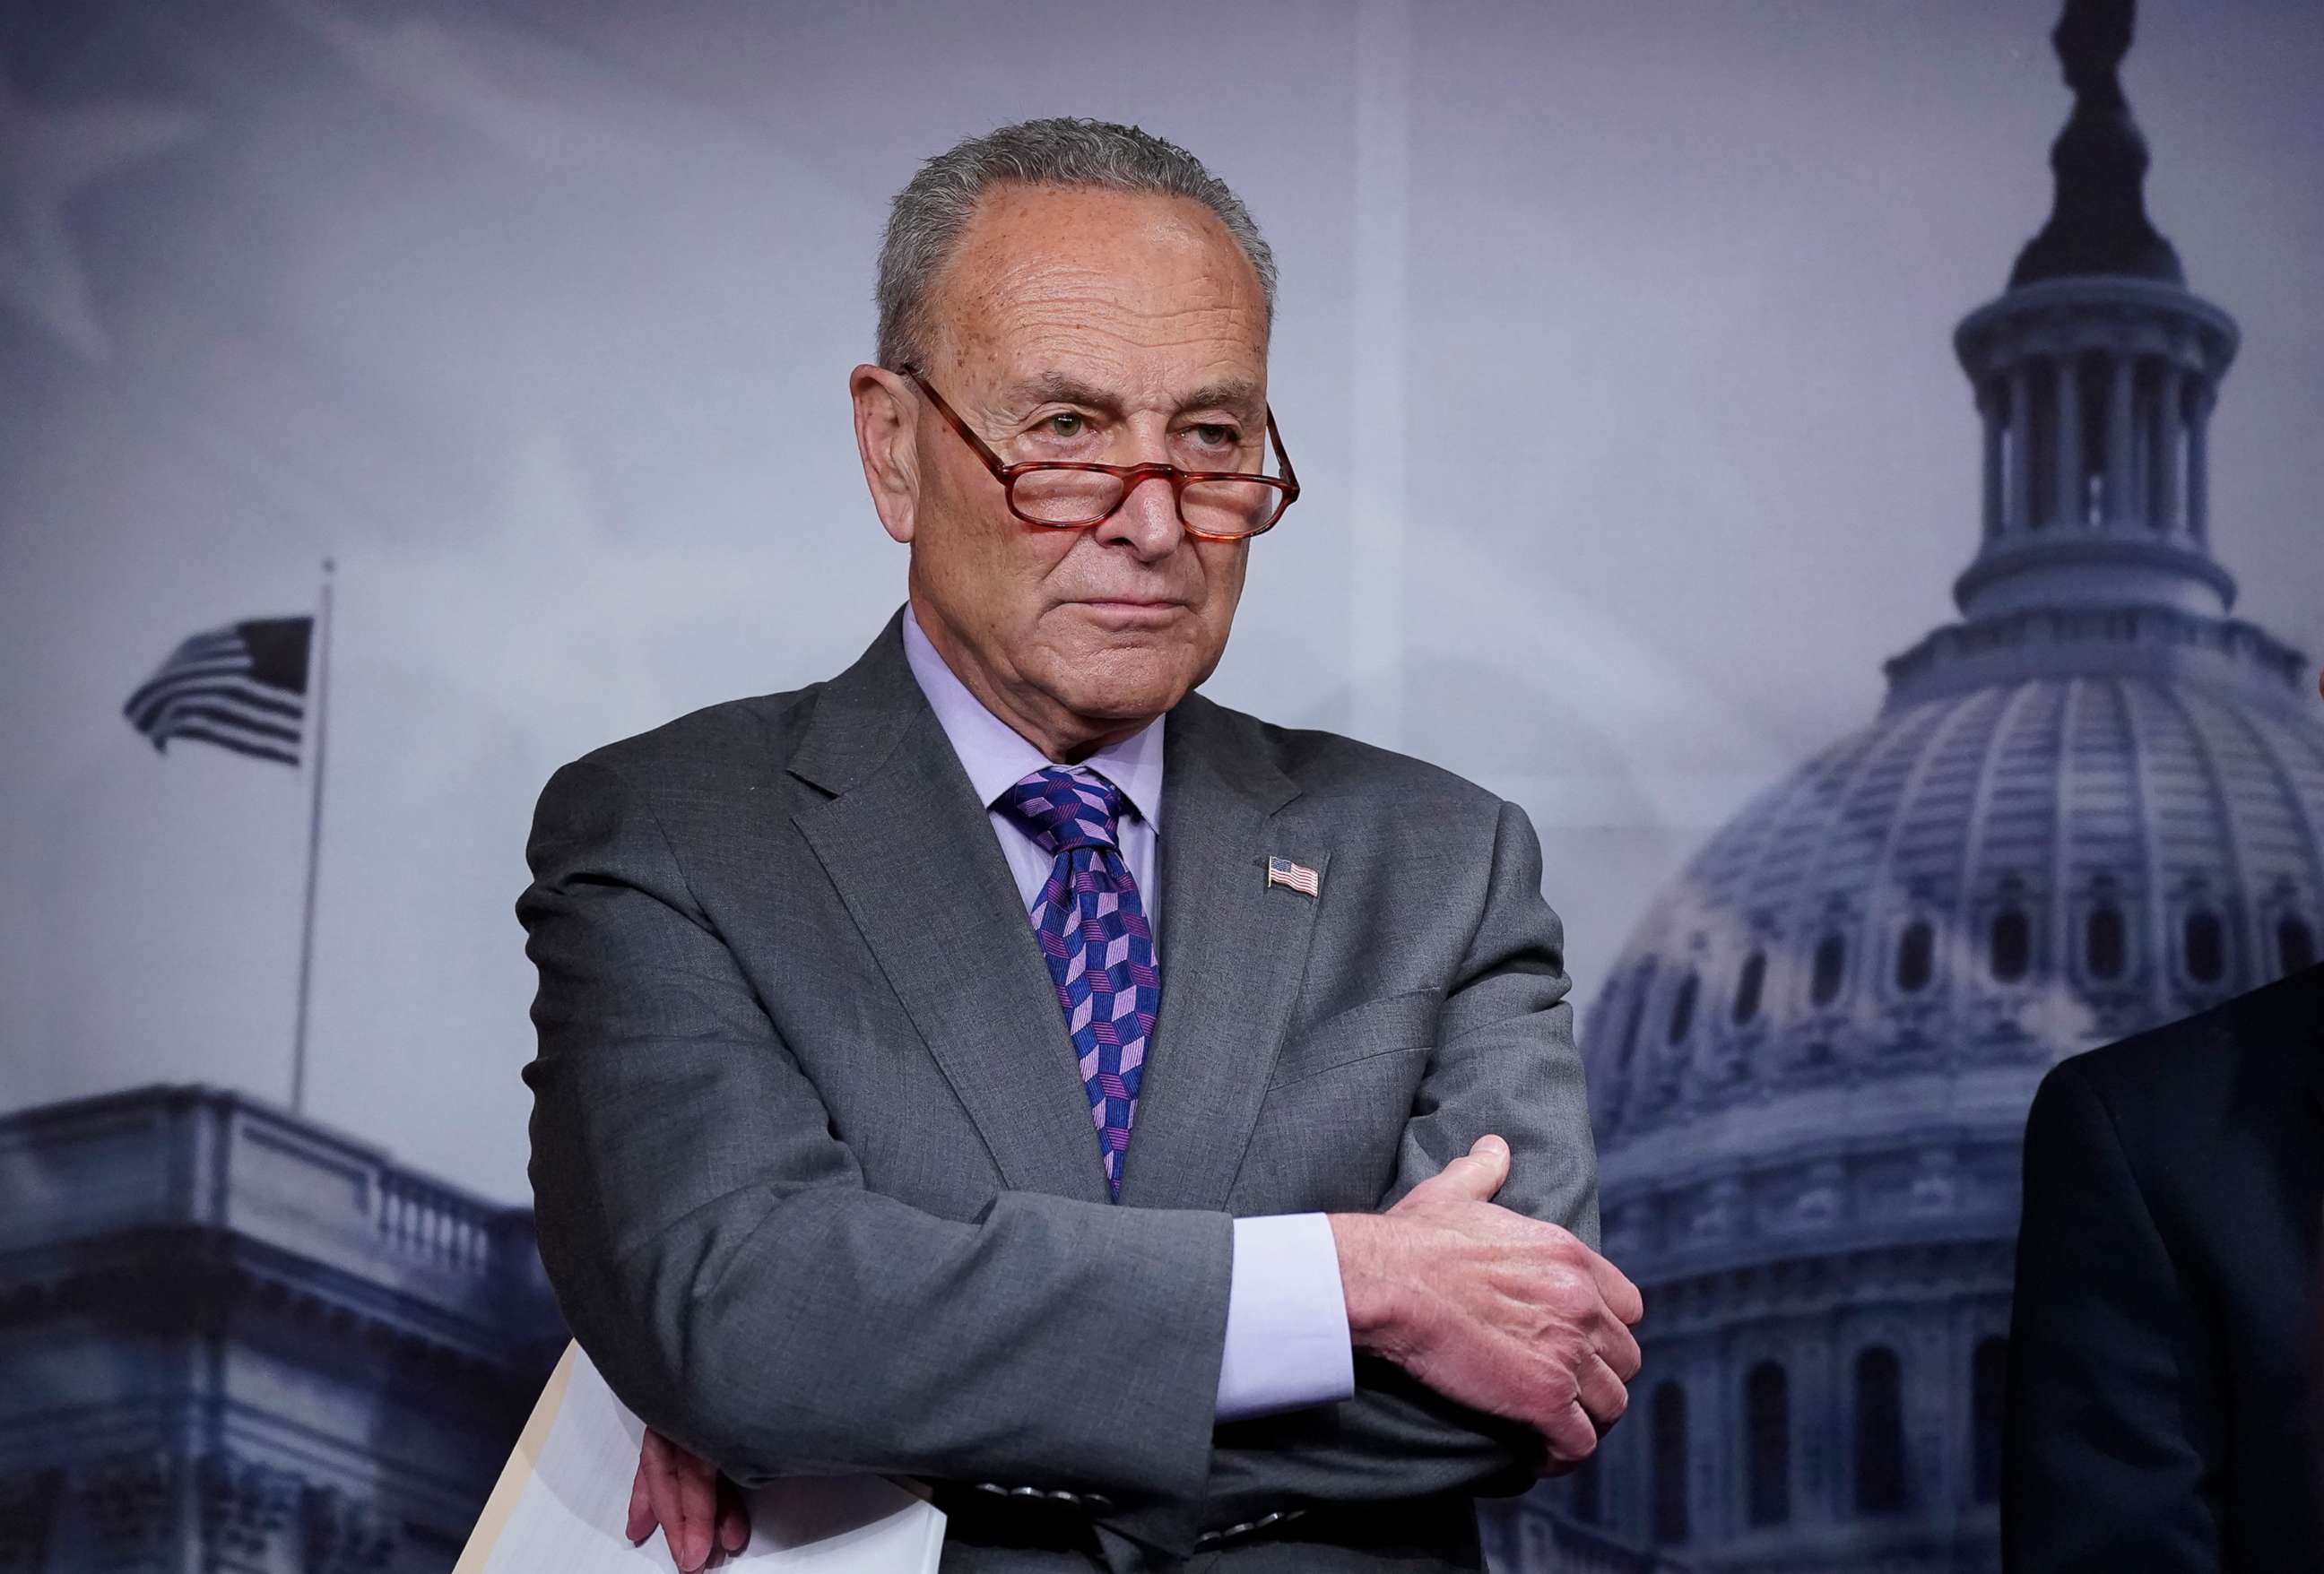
x=1504, y=1062
x=2101, y=1470
x=713, y=1247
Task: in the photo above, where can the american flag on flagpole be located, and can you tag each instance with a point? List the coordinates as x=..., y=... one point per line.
x=242, y=687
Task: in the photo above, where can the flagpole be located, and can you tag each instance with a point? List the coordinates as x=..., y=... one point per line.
x=322, y=647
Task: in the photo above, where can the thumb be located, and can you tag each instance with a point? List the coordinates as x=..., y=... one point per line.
x=1477, y=1174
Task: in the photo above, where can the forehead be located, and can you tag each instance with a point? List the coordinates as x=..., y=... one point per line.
x=1130, y=287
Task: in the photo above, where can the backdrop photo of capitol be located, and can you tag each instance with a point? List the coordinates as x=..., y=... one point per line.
x=2093, y=804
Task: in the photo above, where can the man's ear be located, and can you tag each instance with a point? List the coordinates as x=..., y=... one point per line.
x=887, y=424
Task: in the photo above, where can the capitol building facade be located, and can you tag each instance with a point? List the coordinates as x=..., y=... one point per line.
x=2092, y=804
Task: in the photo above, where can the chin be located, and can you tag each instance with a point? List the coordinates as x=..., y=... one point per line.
x=1129, y=678
x=1128, y=697
x=1128, y=704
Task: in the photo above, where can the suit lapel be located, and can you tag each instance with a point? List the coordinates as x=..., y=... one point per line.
x=2316, y=1061
x=1233, y=953
x=2316, y=1075
x=914, y=858
x=2307, y=988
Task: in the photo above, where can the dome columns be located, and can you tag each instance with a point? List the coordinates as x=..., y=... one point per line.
x=2095, y=396
x=2201, y=396
x=2065, y=433
x=2069, y=469
x=2121, y=494
x=2161, y=433
x=1994, y=411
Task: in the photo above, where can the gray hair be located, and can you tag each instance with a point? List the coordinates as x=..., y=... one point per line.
x=926, y=220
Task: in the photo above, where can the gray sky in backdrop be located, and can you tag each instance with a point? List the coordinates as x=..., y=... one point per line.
x=1614, y=347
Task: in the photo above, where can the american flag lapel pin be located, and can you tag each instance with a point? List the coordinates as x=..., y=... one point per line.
x=1282, y=871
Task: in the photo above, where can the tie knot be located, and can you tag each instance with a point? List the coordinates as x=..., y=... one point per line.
x=1062, y=811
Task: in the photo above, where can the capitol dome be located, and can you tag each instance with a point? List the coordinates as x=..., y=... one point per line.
x=2125, y=828
x=1810, y=1070
x=2092, y=804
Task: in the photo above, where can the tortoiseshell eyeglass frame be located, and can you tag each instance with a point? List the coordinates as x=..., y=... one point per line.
x=1285, y=487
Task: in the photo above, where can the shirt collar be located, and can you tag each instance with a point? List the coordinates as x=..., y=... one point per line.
x=997, y=757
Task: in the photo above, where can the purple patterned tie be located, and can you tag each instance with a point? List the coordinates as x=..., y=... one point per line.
x=1094, y=935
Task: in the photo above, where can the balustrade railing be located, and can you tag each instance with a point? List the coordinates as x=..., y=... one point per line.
x=437, y=1226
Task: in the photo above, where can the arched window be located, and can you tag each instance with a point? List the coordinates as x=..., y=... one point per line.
x=1644, y=982
x=1748, y=986
x=2104, y=941
x=2205, y=946
x=1987, y=1364
x=1682, y=1017
x=2012, y=944
x=1830, y=961
x=1668, y=1424
x=2295, y=944
x=1915, y=956
x=1585, y=1500
x=1767, y=1443
x=1879, y=1432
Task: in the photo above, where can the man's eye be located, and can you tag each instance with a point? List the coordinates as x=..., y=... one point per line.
x=1212, y=435
x=1066, y=423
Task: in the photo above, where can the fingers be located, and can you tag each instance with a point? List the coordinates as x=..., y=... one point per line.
x=1603, y=1397
x=661, y=1493
x=679, y=1497
x=1617, y=1347
x=734, y=1519
x=697, y=1506
x=641, y=1523
x=1569, y=1433
x=1622, y=1297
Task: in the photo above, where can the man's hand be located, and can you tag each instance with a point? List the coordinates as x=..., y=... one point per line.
x=684, y=1495
x=1502, y=1313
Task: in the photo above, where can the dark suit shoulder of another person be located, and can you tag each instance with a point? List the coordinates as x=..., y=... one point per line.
x=2161, y=1409
x=2171, y=1087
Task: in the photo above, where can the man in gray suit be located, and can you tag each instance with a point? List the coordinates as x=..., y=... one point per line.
x=1000, y=1065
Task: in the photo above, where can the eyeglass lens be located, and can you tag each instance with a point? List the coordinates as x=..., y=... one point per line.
x=1080, y=497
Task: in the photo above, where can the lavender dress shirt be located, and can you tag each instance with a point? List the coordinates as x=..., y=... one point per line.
x=1286, y=1341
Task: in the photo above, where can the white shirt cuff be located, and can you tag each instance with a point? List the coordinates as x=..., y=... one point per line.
x=1288, y=1341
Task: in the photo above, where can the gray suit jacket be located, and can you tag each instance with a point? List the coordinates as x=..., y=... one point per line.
x=817, y=1183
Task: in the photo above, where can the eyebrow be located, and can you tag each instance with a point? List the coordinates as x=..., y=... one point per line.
x=1062, y=387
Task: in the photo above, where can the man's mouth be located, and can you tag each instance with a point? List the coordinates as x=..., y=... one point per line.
x=1130, y=608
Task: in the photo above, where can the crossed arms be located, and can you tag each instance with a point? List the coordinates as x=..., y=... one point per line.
x=713, y=1243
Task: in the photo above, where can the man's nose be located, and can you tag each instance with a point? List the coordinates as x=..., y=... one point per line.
x=1147, y=519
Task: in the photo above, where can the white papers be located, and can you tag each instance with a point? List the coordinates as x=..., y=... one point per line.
x=562, y=1500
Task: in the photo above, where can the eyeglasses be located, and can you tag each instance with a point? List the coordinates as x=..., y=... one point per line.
x=1214, y=505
